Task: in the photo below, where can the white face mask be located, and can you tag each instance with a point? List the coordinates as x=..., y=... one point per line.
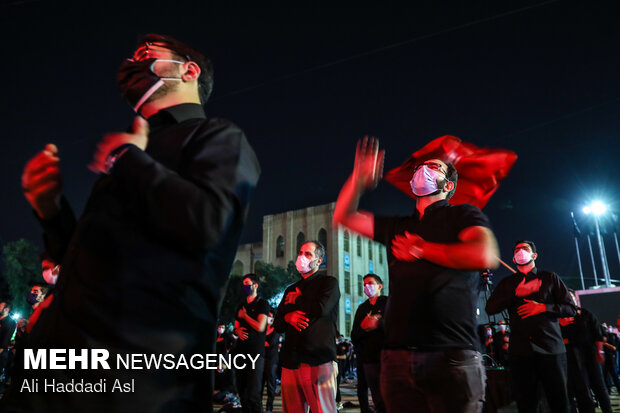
x=303, y=264
x=502, y=327
x=424, y=181
x=220, y=331
x=50, y=275
x=523, y=257
x=370, y=290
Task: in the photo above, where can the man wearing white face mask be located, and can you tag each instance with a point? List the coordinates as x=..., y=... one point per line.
x=430, y=360
x=535, y=299
x=368, y=334
x=307, y=315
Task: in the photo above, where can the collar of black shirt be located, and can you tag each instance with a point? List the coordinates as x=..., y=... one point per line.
x=176, y=114
x=431, y=207
x=530, y=274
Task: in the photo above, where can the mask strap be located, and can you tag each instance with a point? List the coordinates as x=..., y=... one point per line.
x=148, y=94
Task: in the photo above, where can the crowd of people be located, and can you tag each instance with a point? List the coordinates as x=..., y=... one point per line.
x=143, y=270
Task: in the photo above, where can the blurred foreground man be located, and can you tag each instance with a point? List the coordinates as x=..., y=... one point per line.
x=430, y=360
x=144, y=266
x=535, y=299
x=307, y=315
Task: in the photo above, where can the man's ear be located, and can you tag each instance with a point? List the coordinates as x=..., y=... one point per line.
x=191, y=71
x=449, y=186
x=534, y=255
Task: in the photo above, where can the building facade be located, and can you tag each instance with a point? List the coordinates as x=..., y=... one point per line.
x=349, y=256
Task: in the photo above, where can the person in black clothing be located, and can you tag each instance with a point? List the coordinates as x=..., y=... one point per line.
x=342, y=349
x=144, y=267
x=272, y=342
x=501, y=341
x=584, y=342
x=535, y=299
x=250, y=326
x=368, y=334
x=307, y=315
x=610, y=348
x=430, y=358
x=7, y=328
x=224, y=381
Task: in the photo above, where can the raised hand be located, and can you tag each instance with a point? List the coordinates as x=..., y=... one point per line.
x=368, y=166
x=111, y=141
x=42, y=183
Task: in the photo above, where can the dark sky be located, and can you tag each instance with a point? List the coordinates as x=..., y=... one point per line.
x=538, y=78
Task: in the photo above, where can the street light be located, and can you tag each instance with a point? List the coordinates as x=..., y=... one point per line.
x=598, y=208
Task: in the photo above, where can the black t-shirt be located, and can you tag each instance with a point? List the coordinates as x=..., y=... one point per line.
x=431, y=307
x=255, y=344
x=7, y=327
x=273, y=339
x=368, y=344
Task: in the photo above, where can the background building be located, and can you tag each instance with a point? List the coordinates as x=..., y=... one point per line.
x=349, y=256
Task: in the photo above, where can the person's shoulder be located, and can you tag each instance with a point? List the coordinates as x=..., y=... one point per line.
x=328, y=279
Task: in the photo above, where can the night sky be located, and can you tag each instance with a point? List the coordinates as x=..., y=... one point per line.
x=305, y=83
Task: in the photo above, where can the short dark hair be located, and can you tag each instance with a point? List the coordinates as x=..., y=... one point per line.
x=44, y=287
x=252, y=277
x=451, y=176
x=376, y=278
x=205, y=80
x=319, y=249
x=524, y=241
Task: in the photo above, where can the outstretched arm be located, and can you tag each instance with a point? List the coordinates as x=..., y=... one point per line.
x=367, y=171
x=476, y=249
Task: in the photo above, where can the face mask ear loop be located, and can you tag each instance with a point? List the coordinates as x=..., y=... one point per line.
x=148, y=94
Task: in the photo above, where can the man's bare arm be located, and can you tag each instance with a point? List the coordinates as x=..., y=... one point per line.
x=367, y=171
x=476, y=250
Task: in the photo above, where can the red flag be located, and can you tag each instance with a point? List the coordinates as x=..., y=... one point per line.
x=480, y=169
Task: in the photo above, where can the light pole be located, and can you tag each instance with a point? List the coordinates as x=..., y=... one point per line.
x=576, y=231
x=597, y=208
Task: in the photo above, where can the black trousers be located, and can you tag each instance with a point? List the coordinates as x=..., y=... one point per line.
x=269, y=380
x=597, y=384
x=362, y=389
x=548, y=370
x=578, y=381
x=249, y=384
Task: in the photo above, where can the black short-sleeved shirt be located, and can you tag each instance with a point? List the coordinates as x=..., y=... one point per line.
x=255, y=344
x=431, y=307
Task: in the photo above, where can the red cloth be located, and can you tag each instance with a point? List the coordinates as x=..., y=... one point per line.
x=480, y=169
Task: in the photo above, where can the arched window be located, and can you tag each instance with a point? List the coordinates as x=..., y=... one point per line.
x=237, y=268
x=346, y=241
x=370, y=250
x=323, y=238
x=280, y=246
x=301, y=239
x=359, y=246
